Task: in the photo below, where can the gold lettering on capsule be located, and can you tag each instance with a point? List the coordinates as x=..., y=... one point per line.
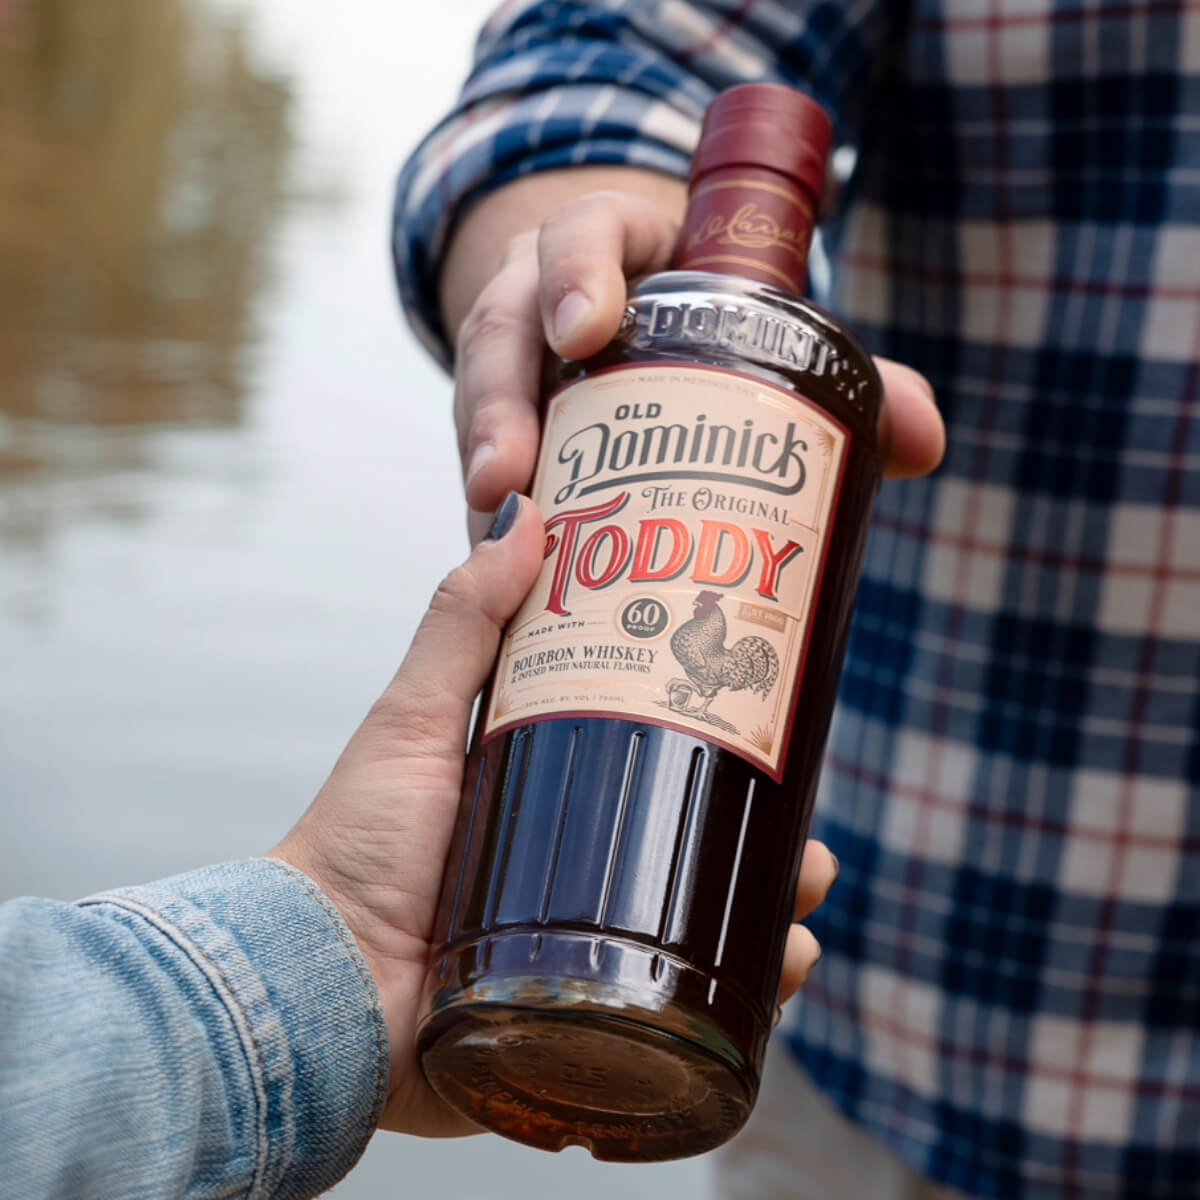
x=752, y=229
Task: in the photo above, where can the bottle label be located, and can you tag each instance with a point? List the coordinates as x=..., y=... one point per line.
x=687, y=511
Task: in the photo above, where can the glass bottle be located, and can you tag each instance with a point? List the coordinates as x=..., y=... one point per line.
x=638, y=791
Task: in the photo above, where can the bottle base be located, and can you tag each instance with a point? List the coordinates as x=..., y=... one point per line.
x=554, y=1079
x=613, y=1047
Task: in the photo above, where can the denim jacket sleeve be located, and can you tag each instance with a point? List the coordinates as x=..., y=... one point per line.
x=217, y=1034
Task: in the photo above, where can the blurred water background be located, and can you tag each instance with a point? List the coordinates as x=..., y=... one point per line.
x=227, y=476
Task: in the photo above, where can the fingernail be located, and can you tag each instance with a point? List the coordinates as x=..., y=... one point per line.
x=571, y=310
x=837, y=867
x=505, y=518
x=778, y=1017
x=484, y=453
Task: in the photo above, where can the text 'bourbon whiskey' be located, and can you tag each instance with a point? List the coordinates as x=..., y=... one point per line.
x=639, y=787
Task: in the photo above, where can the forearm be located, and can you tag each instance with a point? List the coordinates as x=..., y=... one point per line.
x=166, y=1039
x=478, y=246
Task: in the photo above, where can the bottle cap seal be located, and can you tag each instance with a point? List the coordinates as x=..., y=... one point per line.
x=766, y=125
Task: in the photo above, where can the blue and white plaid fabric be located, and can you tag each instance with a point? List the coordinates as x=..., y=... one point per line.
x=1010, y=993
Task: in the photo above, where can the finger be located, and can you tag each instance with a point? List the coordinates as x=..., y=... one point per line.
x=818, y=873
x=911, y=431
x=455, y=645
x=478, y=523
x=497, y=381
x=587, y=251
x=800, y=955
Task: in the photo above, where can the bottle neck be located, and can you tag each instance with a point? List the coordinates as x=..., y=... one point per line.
x=748, y=221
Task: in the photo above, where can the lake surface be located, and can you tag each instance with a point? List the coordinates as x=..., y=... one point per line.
x=228, y=483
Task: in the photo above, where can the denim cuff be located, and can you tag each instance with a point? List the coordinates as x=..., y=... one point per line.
x=301, y=1000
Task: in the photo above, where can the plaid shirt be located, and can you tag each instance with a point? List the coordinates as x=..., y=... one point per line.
x=1010, y=992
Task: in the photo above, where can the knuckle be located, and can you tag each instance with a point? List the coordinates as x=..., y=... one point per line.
x=458, y=591
x=489, y=320
x=487, y=416
x=521, y=247
x=460, y=599
x=607, y=201
x=579, y=224
x=593, y=217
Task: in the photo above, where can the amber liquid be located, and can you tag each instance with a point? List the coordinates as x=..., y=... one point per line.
x=612, y=924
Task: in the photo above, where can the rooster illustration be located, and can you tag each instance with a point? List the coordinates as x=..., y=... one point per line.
x=699, y=646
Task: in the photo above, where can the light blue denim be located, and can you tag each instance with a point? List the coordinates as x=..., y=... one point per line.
x=217, y=1034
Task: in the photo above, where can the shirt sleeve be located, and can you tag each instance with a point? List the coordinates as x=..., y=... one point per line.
x=558, y=84
x=216, y=1034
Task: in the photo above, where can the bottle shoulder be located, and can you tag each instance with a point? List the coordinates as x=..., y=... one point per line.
x=725, y=321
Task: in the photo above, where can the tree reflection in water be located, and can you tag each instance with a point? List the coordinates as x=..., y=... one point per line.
x=144, y=161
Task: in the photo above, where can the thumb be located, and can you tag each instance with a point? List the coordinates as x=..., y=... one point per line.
x=455, y=645
x=586, y=251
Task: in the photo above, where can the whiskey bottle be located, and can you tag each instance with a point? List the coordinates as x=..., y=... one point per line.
x=641, y=778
